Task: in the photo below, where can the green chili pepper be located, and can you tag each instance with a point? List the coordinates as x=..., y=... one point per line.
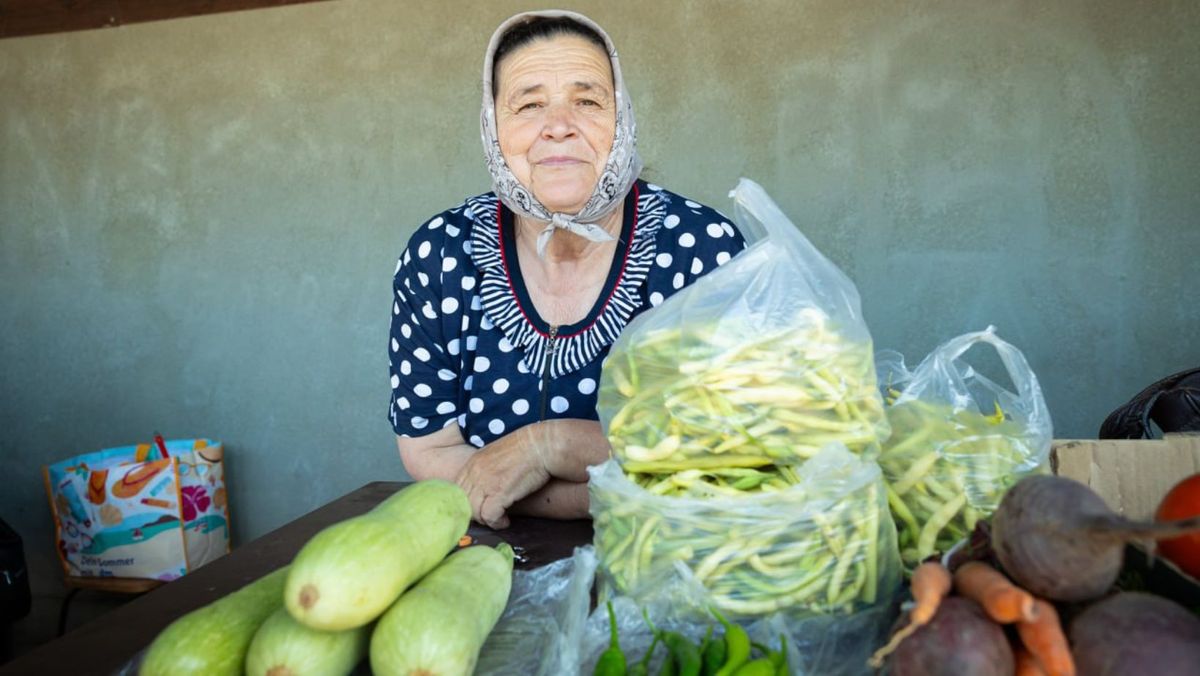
x=668, y=666
x=704, y=646
x=686, y=656
x=714, y=657
x=779, y=659
x=682, y=653
x=642, y=668
x=759, y=667
x=737, y=645
x=612, y=661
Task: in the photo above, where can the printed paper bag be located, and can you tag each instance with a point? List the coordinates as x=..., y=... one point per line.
x=136, y=511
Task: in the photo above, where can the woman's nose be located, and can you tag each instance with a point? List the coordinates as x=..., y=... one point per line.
x=560, y=121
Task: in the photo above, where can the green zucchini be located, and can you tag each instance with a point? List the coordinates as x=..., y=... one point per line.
x=284, y=647
x=213, y=640
x=438, y=626
x=349, y=573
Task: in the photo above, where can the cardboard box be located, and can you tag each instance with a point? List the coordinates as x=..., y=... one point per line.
x=1131, y=475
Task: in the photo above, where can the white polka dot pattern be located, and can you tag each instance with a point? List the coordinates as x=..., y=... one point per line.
x=446, y=334
x=559, y=404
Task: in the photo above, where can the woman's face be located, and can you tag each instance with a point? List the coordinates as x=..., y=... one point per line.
x=555, y=118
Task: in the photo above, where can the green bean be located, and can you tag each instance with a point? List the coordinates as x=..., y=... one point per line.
x=937, y=455
x=851, y=591
x=903, y=513
x=937, y=521
x=872, y=557
x=916, y=470
x=845, y=560
x=707, y=381
x=824, y=558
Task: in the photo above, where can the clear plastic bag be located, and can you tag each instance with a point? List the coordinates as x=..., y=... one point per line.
x=959, y=441
x=764, y=361
x=542, y=626
x=822, y=546
x=820, y=645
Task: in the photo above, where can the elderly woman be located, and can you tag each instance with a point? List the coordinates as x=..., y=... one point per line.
x=506, y=305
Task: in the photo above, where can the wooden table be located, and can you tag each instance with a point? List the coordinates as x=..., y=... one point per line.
x=107, y=643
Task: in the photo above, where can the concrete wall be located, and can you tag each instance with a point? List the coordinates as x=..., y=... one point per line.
x=199, y=218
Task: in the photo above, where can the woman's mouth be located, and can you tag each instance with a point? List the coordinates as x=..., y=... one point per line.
x=558, y=161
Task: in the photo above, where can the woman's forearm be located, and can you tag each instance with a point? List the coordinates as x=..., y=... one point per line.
x=568, y=446
x=558, y=499
x=537, y=470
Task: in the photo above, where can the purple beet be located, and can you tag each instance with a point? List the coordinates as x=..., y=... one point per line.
x=960, y=640
x=1057, y=539
x=1136, y=634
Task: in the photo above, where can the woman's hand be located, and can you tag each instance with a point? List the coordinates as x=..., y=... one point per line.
x=501, y=474
x=551, y=455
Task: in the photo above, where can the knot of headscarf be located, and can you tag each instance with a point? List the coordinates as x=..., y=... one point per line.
x=586, y=230
x=620, y=170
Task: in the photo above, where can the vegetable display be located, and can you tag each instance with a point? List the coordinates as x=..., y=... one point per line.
x=946, y=469
x=439, y=625
x=963, y=634
x=824, y=545
x=338, y=579
x=730, y=654
x=1056, y=541
x=213, y=640
x=752, y=457
x=349, y=573
x=1059, y=540
x=959, y=640
x=959, y=440
x=702, y=398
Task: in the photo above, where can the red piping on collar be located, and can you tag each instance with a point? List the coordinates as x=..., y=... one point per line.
x=617, y=285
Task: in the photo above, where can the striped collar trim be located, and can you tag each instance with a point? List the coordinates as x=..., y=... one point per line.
x=571, y=352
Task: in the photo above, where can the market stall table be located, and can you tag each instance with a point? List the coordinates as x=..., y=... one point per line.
x=106, y=644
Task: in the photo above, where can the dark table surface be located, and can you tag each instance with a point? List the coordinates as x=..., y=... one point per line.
x=105, y=644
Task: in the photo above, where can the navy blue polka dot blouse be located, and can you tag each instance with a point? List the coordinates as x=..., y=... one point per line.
x=468, y=347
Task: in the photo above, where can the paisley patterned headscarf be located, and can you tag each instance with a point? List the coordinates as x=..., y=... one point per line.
x=620, y=171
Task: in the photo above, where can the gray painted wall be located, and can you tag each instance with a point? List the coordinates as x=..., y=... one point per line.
x=199, y=218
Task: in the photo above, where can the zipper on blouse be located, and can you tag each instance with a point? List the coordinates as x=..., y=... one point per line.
x=546, y=371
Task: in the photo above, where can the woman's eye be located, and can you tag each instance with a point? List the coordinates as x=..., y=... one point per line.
x=588, y=102
x=528, y=106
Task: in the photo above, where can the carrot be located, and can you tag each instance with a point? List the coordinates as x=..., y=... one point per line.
x=1003, y=601
x=1043, y=637
x=930, y=584
x=1027, y=664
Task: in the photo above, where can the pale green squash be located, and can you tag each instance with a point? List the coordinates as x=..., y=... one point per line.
x=213, y=640
x=438, y=627
x=349, y=573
